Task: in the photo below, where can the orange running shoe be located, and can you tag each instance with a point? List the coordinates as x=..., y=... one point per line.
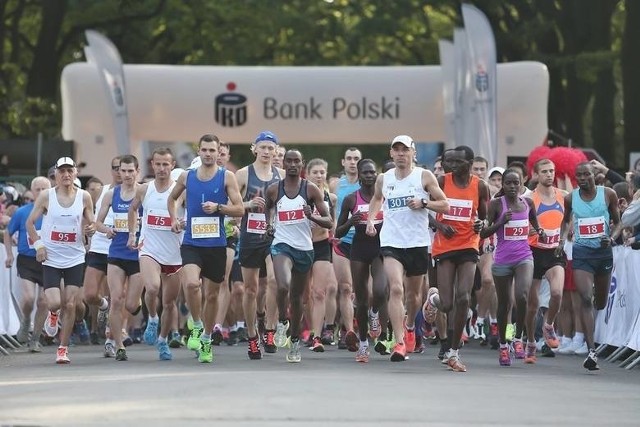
x=399, y=353
x=351, y=339
x=455, y=364
x=410, y=340
x=550, y=337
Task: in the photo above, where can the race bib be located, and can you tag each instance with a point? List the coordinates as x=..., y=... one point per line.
x=291, y=216
x=459, y=210
x=121, y=222
x=365, y=210
x=551, y=239
x=256, y=223
x=64, y=234
x=158, y=219
x=591, y=228
x=399, y=203
x=516, y=230
x=30, y=242
x=204, y=227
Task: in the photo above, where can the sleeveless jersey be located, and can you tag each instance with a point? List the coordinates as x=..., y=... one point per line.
x=202, y=229
x=403, y=227
x=118, y=248
x=156, y=238
x=291, y=225
x=99, y=241
x=62, y=232
x=550, y=219
x=254, y=222
x=513, y=237
x=590, y=219
x=343, y=189
x=463, y=210
x=361, y=237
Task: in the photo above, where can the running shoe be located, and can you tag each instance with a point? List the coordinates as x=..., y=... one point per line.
x=233, y=338
x=121, y=355
x=317, y=345
x=362, y=355
x=281, y=334
x=34, y=347
x=410, y=340
x=23, y=332
x=550, y=337
x=51, y=324
x=399, y=353
x=504, y=356
x=163, y=350
x=480, y=335
x=455, y=364
x=62, y=356
x=583, y=350
x=190, y=323
x=374, y=324
x=381, y=347
x=127, y=341
x=511, y=332
x=351, y=340
x=328, y=337
x=109, y=349
x=445, y=357
x=94, y=338
x=176, y=340
x=194, y=339
x=151, y=332
x=103, y=318
x=429, y=310
x=205, y=353
x=294, y=355
x=530, y=353
x=342, y=344
x=443, y=350
x=242, y=334
x=518, y=349
x=269, y=341
x=591, y=362
x=254, y=349
x=494, y=336
x=216, y=335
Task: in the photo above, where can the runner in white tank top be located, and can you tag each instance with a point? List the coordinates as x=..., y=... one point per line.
x=159, y=248
x=68, y=218
x=405, y=194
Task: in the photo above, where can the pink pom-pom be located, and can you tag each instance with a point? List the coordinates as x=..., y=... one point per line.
x=565, y=160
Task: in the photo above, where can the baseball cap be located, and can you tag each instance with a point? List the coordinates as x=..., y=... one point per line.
x=494, y=170
x=65, y=161
x=267, y=136
x=405, y=140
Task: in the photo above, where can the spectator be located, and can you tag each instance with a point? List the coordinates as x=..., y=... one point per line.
x=4, y=166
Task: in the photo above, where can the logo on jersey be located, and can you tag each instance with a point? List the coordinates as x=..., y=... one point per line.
x=230, y=108
x=482, y=80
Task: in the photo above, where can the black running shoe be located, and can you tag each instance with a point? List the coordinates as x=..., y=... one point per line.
x=121, y=355
x=591, y=362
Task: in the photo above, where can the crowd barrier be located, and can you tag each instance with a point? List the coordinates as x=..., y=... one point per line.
x=617, y=325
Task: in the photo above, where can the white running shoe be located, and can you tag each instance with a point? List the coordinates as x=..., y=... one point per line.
x=51, y=324
x=583, y=350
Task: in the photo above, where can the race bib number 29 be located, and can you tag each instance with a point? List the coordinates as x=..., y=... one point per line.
x=516, y=230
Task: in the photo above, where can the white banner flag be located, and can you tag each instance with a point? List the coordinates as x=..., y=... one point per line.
x=448, y=68
x=482, y=66
x=105, y=56
x=466, y=129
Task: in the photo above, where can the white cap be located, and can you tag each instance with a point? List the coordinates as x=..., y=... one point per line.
x=405, y=140
x=175, y=174
x=495, y=169
x=65, y=161
x=77, y=183
x=195, y=163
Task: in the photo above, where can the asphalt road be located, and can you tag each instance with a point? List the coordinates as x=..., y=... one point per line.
x=325, y=389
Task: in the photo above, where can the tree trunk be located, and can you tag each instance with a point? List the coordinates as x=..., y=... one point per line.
x=630, y=81
x=44, y=74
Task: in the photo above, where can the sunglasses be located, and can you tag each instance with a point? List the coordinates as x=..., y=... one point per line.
x=115, y=168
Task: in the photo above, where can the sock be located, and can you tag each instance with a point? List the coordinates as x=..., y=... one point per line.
x=373, y=311
x=154, y=319
x=503, y=345
x=204, y=337
x=162, y=339
x=240, y=324
x=548, y=326
x=364, y=344
x=261, y=315
x=233, y=328
x=217, y=326
x=493, y=320
x=453, y=352
x=579, y=337
x=516, y=339
x=104, y=304
x=411, y=328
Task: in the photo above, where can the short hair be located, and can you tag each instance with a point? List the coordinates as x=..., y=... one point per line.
x=352, y=149
x=518, y=164
x=468, y=152
x=162, y=152
x=294, y=150
x=316, y=162
x=35, y=180
x=94, y=179
x=512, y=171
x=129, y=159
x=622, y=190
x=480, y=159
x=363, y=162
x=209, y=137
x=225, y=145
x=544, y=161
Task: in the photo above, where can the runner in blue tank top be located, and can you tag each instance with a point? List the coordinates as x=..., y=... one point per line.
x=592, y=208
x=212, y=192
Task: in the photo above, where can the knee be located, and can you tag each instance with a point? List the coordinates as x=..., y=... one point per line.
x=318, y=295
x=117, y=300
x=250, y=290
x=345, y=289
x=463, y=298
x=70, y=305
x=396, y=292
x=193, y=286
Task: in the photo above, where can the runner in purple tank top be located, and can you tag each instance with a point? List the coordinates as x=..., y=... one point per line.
x=511, y=217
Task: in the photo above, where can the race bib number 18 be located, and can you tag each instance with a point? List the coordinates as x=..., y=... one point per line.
x=591, y=228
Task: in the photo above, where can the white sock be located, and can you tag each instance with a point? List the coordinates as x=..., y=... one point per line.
x=154, y=319
x=364, y=344
x=493, y=320
x=480, y=321
x=578, y=337
x=162, y=339
x=104, y=304
x=453, y=352
x=240, y=324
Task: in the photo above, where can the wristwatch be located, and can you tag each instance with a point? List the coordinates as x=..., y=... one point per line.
x=425, y=202
x=218, y=206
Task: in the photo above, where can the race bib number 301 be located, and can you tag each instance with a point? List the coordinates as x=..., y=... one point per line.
x=516, y=230
x=591, y=228
x=398, y=203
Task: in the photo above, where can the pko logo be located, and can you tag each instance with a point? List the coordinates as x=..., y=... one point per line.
x=482, y=80
x=612, y=298
x=231, y=108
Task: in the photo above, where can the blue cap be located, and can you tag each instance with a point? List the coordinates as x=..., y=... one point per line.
x=267, y=136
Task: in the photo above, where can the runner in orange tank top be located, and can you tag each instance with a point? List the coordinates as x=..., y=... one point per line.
x=455, y=246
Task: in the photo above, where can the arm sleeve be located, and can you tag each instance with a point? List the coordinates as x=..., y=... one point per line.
x=614, y=176
x=631, y=216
